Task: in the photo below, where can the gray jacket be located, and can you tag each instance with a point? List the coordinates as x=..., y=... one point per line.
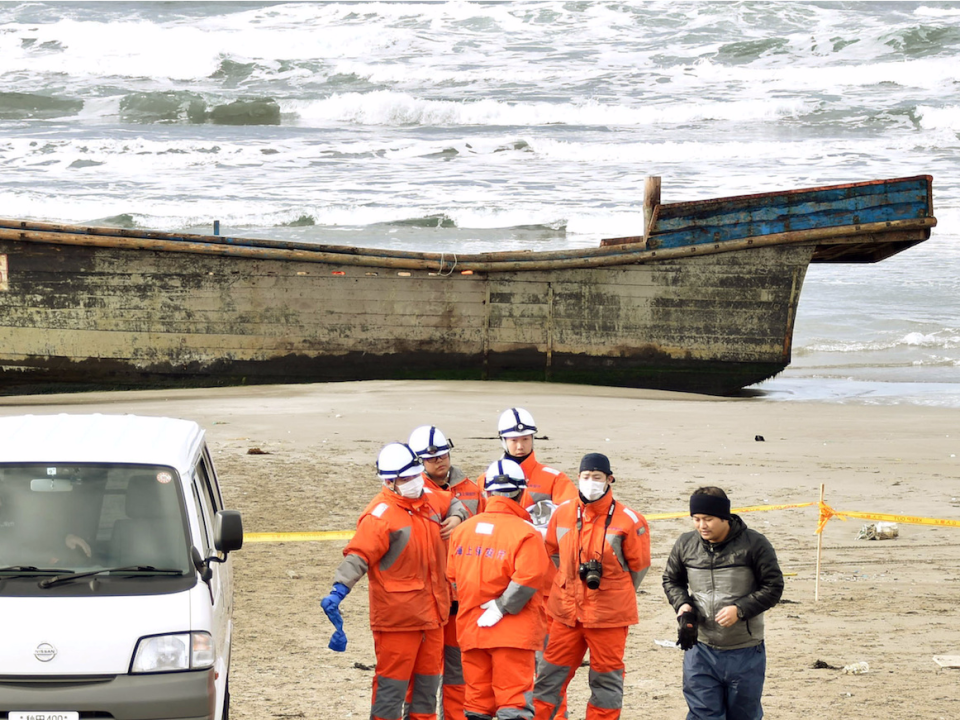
x=742, y=570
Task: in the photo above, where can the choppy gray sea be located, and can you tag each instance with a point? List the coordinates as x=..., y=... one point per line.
x=528, y=125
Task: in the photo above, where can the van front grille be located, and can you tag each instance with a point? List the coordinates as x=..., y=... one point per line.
x=84, y=715
x=53, y=681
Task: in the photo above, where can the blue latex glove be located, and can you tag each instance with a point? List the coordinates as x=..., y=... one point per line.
x=331, y=606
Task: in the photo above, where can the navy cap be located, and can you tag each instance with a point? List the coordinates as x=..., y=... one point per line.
x=596, y=461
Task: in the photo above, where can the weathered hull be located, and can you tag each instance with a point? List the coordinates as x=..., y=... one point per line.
x=108, y=317
x=704, y=301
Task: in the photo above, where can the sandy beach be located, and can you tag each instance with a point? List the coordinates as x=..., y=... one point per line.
x=891, y=603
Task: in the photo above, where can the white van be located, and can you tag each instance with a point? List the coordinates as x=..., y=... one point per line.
x=116, y=591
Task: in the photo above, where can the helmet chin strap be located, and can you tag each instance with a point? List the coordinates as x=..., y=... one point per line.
x=518, y=459
x=442, y=482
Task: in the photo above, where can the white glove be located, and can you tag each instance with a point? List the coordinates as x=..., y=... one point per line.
x=491, y=614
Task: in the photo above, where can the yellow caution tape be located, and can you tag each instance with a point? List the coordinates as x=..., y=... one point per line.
x=297, y=536
x=827, y=512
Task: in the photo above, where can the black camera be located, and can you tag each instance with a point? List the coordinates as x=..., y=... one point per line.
x=591, y=572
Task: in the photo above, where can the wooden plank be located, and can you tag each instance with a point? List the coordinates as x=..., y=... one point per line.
x=266, y=324
x=145, y=348
x=661, y=318
x=718, y=221
x=920, y=184
x=651, y=200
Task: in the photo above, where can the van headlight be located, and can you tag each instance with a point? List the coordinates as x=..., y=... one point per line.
x=169, y=653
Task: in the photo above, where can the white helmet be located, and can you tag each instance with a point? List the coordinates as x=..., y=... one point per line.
x=397, y=460
x=504, y=477
x=428, y=442
x=516, y=422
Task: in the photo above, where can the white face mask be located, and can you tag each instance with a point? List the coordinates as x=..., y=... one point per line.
x=592, y=489
x=412, y=488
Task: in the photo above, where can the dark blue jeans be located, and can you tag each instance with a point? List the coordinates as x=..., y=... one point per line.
x=724, y=684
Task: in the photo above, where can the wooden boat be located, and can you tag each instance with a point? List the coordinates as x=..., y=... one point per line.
x=703, y=301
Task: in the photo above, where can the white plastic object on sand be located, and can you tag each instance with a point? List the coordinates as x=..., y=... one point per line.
x=857, y=668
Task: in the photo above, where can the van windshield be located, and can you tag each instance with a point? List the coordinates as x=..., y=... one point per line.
x=87, y=517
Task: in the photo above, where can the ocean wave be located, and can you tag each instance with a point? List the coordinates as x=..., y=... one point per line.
x=938, y=361
x=19, y=106
x=170, y=106
x=402, y=109
x=233, y=72
x=933, y=118
x=946, y=339
x=124, y=220
x=923, y=40
x=144, y=107
x=938, y=11
x=302, y=221
x=427, y=221
x=247, y=111
x=814, y=75
x=746, y=51
x=820, y=387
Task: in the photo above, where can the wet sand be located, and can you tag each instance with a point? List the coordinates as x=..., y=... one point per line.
x=891, y=603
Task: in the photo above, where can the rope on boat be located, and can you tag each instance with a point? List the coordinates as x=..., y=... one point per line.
x=453, y=267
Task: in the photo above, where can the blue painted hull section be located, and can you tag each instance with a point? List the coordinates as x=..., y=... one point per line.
x=697, y=223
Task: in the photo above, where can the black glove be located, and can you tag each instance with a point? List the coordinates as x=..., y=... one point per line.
x=687, y=635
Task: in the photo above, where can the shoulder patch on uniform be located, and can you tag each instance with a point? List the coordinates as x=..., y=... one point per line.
x=632, y=514
x=641, y=530
x=379, y=510
x=551, y=470
x=483, y=528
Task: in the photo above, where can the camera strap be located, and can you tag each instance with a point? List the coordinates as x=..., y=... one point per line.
x=606, y=524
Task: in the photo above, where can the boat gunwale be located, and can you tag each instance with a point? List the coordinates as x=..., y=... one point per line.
x=623, y=253
x=752, y=199
x=448, y=263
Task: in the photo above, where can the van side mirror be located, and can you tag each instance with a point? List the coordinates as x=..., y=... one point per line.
x=227, y=531
x=227, y=536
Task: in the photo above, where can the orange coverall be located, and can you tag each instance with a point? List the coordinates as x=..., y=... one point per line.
x=544, y=483
x=468, y=493
x=499, y=555
x=596, y=619
x=398, y=545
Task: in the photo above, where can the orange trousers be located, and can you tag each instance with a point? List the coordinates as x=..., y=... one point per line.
x=453, y=685
x=563, y=656
x=562, y=706
x=499, y=678
x=407, y=660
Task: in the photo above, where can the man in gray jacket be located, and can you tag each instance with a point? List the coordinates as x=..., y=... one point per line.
x=720, y=579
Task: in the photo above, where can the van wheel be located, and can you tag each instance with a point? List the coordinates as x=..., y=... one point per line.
x=225, y=715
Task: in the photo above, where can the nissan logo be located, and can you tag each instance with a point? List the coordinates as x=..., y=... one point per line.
x=45, y=652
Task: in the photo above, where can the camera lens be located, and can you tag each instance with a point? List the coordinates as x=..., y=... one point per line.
x=591, y=572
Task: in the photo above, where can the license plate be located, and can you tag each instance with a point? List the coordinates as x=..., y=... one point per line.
x=43, y=715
